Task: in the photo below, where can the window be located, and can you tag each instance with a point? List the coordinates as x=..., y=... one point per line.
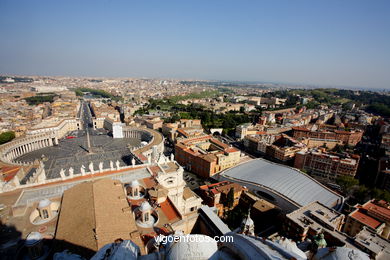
x=45, y=214
x=146, y=216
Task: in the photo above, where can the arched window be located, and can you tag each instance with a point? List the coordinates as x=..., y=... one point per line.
x=146, y=217
x=45, y=214
x=136, y=192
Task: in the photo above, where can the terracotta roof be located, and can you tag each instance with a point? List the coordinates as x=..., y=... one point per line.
x=149, y=182
x=169, y=210
x=9, y=172
x=94, y=214
x=365, y=219
x=219, y=143
x=377, y=210
x=231, y=150
x=155, y=169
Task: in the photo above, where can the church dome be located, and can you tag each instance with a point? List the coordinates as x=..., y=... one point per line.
x=134, y=184
x=340, y=253
x=44, y=203
x=145, y=206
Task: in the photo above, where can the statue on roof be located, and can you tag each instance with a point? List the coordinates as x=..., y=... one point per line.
x=91, y=168
x=111, y=165
x=319, y=241
x=71, y=171
x=82, y=169
x=248, y=226
x=101, y=167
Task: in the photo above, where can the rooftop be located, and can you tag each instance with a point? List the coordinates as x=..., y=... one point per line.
x=374, y=243
x=286, y=181
x=94, y=214
x=365, y=219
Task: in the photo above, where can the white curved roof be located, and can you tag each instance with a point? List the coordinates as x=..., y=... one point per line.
x=44, y=203
x=285, y=180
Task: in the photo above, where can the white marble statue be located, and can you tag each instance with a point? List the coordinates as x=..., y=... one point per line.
x=117, y=165
x=101, y=167
x=62, y=174
x=111, y=165
x=71, y=172
x=90, y=166
x=82, y=169
x=133, y=161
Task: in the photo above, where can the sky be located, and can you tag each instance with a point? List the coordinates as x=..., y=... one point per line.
x=326, y=43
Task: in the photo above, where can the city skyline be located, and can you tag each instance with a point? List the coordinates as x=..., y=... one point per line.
x=324, y=44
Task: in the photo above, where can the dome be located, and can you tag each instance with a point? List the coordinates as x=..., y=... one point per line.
x=291, y=247
x=44, y=203
x=33, y=238
x=134, y=184
x=340, y=253
x=145, y=206
x=196, y=246
x=127, y=249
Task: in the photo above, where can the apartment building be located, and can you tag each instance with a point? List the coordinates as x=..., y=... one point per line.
x=205, y=155
x=374, y=215
x=327, y=166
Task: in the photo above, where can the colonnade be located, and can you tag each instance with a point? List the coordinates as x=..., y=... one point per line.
x=138, y=134
x=19, y=147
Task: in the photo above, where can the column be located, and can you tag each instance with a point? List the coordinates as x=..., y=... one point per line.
x=50, y=142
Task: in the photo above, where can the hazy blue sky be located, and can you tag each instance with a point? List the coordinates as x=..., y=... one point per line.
x=341, y=42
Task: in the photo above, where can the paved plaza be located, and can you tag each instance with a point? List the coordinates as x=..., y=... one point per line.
x=74, y=153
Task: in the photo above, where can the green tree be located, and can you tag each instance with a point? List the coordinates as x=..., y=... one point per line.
x=346, y=182
x=361, y=194
x=6, y=137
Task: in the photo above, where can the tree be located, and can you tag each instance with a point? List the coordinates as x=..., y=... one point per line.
x=346, y=182
x=230, y=198
x=6, y=137
x=361, y=194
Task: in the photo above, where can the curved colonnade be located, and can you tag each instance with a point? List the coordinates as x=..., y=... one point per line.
x=20, y=146
x=155, y=143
